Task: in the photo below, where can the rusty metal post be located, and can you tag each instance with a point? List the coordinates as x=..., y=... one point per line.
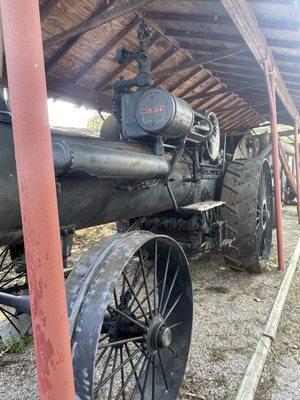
x=37, y=192
x=297, y=162
x=270, y=82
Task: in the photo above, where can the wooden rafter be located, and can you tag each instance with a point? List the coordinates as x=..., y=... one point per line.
x=106, y=49
x=229, y=38
x=96, y=22
x=201, y=60
x=185, y=78
x=70, y=43
x=48, y=8
x=214, y=19
x=195, y=85
x=245, y=21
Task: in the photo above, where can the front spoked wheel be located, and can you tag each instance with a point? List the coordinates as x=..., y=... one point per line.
x=131, y=332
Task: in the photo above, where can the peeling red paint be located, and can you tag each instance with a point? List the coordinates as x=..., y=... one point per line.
x=37, y=191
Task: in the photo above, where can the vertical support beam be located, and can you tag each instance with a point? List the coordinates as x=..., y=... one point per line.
x=270, y=82
x=37, y=192
x=1, y=48
x=297, y=161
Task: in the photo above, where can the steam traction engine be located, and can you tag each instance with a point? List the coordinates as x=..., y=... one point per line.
x=158, y=169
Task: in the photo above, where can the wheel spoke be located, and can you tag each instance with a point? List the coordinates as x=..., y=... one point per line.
x=170, y=291
x=173, y=306
x=165, y=280
x=6, y=314
x=163, y=369
x=175, y=325
x=172, y=351
x=145, y=282
x=120, y=342
x=145, y=299
x=21, y=275
x=146, y=379
x=127, y=317
x=155, y=277
x=122, y=371
x=130, y=376
x=101, y=355
x=153, y=377
x=113, y=377
x=107, y=379
x=132, y=366
x=3, y=256
x=135, y=297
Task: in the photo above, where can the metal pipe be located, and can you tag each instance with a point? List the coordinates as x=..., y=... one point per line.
x=297, y=161
x=37, y=191
x=270, y=82
x=73, y=156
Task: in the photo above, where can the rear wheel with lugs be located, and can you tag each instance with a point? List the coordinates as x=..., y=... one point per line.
x=247, y=192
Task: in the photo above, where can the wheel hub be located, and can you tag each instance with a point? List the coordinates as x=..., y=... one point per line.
x=265, y=215
x=159, y=336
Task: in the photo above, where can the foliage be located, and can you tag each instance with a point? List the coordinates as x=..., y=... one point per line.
x=95, y=122
x=19, y=345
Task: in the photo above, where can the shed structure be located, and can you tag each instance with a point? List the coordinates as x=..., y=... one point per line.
x=219, y=55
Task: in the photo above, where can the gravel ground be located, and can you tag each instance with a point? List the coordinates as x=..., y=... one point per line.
x=231, y=310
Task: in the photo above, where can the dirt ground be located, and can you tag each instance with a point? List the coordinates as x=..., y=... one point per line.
x=230, y=312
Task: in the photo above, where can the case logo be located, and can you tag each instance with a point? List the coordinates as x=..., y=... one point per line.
x=152, y=110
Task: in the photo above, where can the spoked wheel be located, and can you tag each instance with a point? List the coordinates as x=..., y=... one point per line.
x=247, y=192
x=12, y=281
x=130, y=308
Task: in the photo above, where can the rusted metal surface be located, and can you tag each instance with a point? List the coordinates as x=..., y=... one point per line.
x=297, y=160
x=28, y=96
x=270, y=82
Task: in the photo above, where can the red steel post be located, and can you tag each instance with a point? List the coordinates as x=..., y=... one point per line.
x=297, y=161
x=270, y=82
x=37, y=192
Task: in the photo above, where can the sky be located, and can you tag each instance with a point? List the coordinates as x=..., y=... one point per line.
x=68, y=115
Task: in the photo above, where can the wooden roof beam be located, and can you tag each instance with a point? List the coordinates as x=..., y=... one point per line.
x=215, y=19
x=196, y=84
x=228, y=38
x=106, y=49
x=67, y=46
x=96, y=22
x=48, y=8
x=245, y=20
x=187, y=77
x=202, y=60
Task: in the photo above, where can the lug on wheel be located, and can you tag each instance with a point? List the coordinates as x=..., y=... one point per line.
x=247, y=192
x=130, y=309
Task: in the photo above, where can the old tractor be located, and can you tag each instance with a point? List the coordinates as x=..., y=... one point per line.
x=161, y=170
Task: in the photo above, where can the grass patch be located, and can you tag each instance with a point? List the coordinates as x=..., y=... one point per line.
x=17, y=346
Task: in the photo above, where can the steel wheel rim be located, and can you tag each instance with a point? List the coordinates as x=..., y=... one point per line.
x=264, y=213
x=155, y=353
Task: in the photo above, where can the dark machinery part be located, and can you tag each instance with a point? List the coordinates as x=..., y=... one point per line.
x=247, y=192
x=130, y=312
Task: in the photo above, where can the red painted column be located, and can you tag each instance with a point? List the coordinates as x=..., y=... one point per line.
x=37, y=191
x=270, y=82
x=297, y=161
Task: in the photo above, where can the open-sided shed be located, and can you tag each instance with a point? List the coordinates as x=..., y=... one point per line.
x=199, y=50
x=225, y=56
